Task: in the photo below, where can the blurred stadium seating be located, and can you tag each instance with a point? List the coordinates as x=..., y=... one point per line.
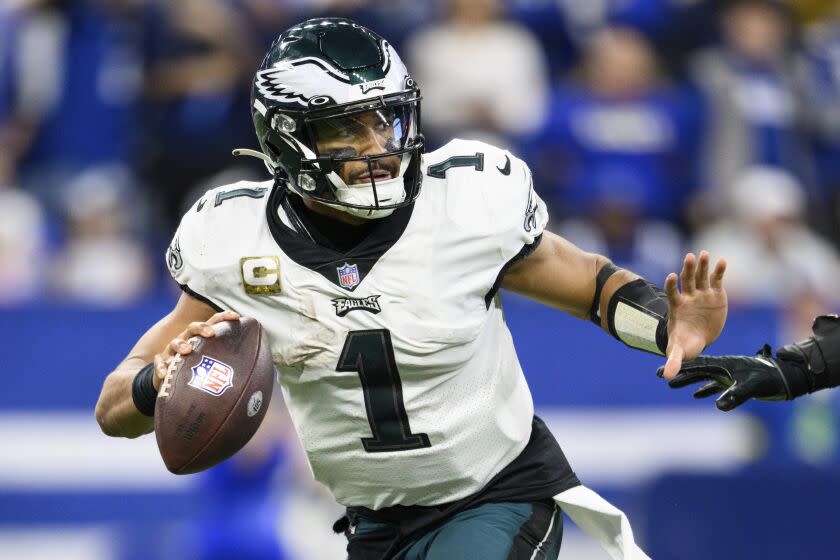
x=642, y=120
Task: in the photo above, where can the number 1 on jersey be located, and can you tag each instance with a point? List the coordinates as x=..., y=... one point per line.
x=371, y=355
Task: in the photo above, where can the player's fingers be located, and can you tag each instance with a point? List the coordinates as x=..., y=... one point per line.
x=674, y=363
x=179, y=346
x=671, y=289
x=734, y=397
x=689, y=269
x=223, y=316
x=688, y=377
x=160, y=370
x=701, y=279
x=717, y=275
x=702, y=368
x=198, y=328
x=708, y=390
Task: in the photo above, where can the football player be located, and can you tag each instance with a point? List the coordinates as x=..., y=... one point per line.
x=797, y=369
x=381, y=304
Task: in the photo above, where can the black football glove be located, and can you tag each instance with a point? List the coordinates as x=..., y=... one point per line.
x=739, y=377
x=810, y=365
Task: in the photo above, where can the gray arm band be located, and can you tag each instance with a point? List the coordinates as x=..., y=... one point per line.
x=638, y=316
x=818, y=356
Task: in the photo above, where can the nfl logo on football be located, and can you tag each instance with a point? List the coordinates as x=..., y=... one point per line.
x=212, y=376
x=348, y=276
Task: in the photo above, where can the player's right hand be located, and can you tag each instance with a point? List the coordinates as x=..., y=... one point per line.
x=741, y=378
x=179, y=346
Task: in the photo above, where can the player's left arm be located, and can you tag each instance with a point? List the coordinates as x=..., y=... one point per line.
x=678, y=323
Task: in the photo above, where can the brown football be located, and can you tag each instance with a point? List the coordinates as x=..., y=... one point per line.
x=213, y=400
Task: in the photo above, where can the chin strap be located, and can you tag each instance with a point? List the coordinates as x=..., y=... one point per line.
x=278, y=172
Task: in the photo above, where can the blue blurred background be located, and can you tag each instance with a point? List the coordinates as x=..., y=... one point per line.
x=653, y=127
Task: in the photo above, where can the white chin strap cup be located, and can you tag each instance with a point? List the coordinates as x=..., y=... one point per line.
x=390, y=192
x=601, y=521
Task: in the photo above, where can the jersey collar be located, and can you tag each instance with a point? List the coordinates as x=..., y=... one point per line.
x=347, y=269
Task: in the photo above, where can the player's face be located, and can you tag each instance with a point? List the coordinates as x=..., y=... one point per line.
x=365, y=134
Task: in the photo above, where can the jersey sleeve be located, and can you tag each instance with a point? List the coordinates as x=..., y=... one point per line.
x=495, y=201
x=496, y=215
x=519, y=212
x=186, y=257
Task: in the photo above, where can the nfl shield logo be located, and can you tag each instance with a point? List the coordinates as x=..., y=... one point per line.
x=212, y=376
x=348, y=276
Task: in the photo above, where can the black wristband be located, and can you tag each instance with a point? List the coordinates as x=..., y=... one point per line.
x=603, y=275
x=143, y=391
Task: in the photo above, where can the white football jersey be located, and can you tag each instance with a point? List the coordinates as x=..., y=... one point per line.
x=394, y=358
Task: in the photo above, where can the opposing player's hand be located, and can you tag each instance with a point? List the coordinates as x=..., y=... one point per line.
x=696, y=311
x=741, y=378
x=179, y=346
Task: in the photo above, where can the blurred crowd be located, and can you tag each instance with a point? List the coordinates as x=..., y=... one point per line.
x=652, y=127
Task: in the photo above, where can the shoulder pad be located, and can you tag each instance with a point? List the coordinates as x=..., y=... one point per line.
x=212, y=227
x=457, y=154
x=487, y=192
